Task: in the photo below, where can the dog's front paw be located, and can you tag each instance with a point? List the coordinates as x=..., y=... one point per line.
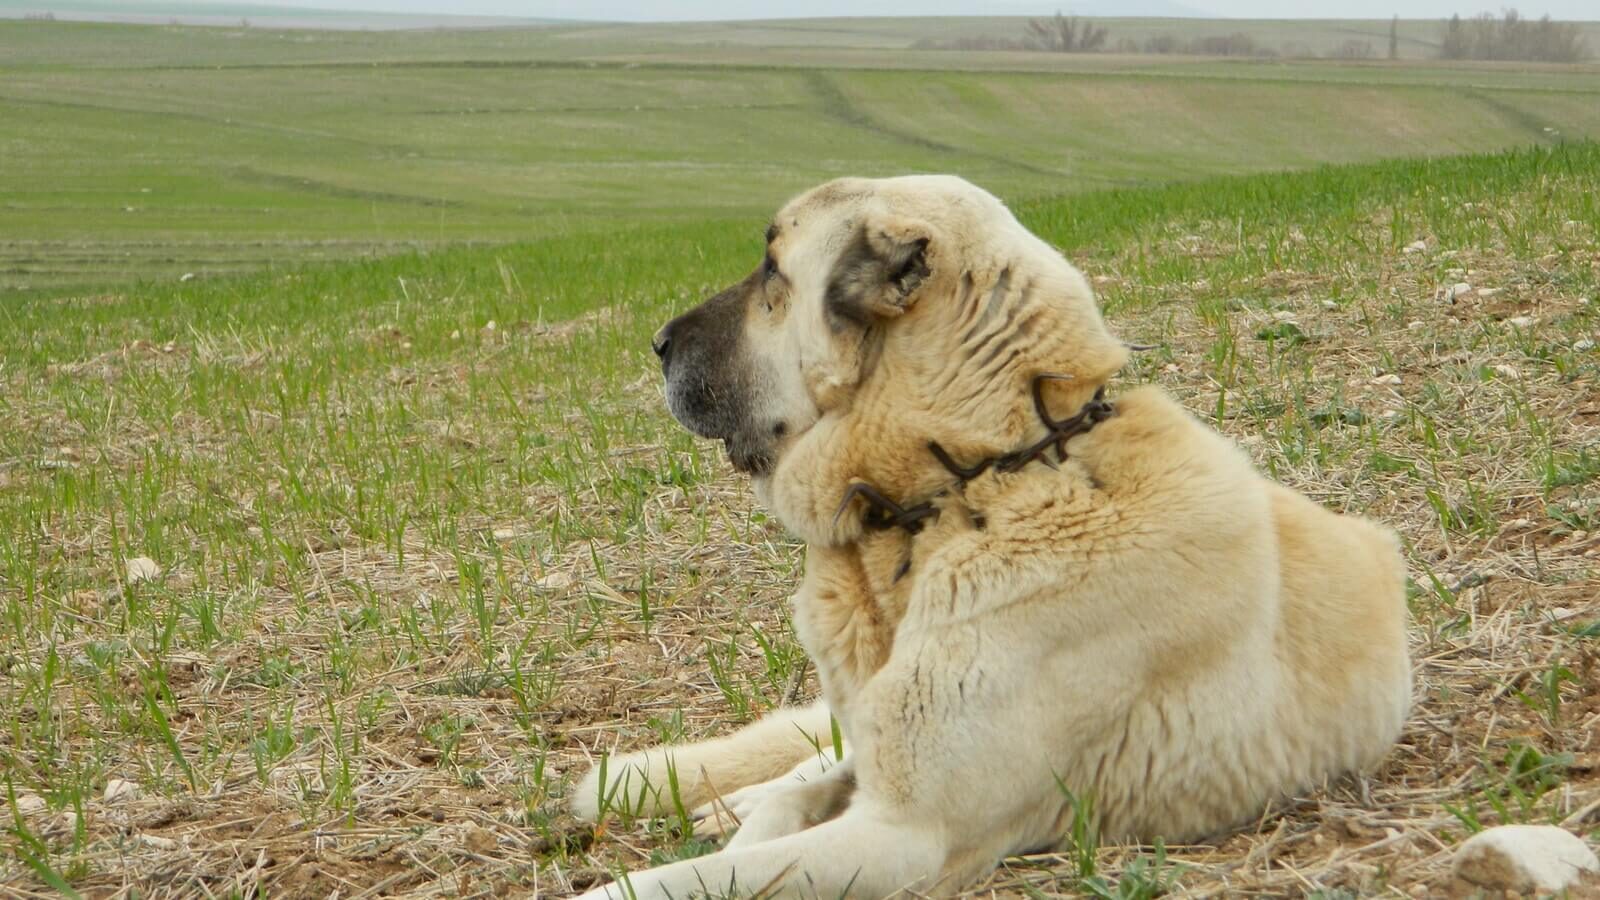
x=586, y=799
x=783, y=806
x=623, y=784
x=725, y=815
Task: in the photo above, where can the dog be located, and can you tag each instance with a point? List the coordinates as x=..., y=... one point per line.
x=1027, y=597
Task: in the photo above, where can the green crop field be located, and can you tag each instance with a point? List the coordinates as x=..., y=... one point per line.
x=151, y=153
x=329, y=568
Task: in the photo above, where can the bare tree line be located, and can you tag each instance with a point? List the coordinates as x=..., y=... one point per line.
x=1511, y=37
x=1063, y=34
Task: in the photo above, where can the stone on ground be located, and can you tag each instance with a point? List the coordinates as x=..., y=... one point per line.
x=1525, y=859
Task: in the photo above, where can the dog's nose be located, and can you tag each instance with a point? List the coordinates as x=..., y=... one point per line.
x=662, y=342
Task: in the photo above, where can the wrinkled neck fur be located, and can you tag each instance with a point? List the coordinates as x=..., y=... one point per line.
x=969, y=361
x=956, y=369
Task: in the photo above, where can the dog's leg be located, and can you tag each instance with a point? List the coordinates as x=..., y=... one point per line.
x=794, y=806
x=640, y=783
x=862, y=853
x=730, y=811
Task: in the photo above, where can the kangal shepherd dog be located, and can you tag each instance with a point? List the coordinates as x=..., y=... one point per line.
x=1019, y=590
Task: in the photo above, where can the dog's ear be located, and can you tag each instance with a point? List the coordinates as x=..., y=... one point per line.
x=879, y=271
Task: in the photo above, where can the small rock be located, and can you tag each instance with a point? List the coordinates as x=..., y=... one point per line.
x=1388, y=380
x=187, y=276
x=142, y=568
x=1416, y=246
x=1459, y=289
x=1171, y=368
x=1488, y=292
x=1522, y=321
x=555, y=581
x=504, y=534
x=455, y=335
x=1583, y=345
x=1329, y=304
x=1415, y=324
x=118, y=789
x=27, y=804
x=1505, y=371
x=1525, y=859
x=156, y=842
x=490, y=325
x=481, y=841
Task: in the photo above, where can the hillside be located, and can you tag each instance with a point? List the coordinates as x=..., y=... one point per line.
x=155, y=152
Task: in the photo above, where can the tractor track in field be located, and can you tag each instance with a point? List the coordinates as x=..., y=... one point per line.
x=838, y=107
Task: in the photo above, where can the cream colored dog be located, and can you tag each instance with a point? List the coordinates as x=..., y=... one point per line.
x=1018, y=597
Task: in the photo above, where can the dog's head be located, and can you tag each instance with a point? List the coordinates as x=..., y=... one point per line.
x=897, y=311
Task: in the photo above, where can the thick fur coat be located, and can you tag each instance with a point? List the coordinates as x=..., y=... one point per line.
x=1149, y=624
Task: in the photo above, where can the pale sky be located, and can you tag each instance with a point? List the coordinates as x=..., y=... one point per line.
x=670, y=10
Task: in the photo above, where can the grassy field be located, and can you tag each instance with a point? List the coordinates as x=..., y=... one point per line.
x=332, y=575
x=151, y=153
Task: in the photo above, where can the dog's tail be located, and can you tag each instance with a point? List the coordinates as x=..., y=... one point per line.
x=664, y=780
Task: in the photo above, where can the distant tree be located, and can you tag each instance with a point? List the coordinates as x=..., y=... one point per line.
x=1235, y=44
x=1512, y=37
x=1394, y=37
x=1163, y=43
x=1454, y=44
x=1064, y=34
x=1352, y=49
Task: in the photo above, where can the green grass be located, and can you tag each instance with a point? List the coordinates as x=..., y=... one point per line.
x=151, y=153
x=397, y=543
